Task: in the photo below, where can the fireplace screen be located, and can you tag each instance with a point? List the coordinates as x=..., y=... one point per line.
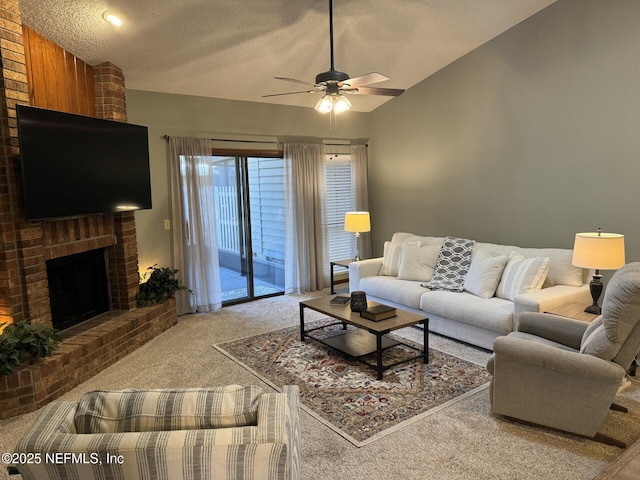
x=78, y=288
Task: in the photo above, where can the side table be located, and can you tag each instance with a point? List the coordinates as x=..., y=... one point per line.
x=574, y=310
x=338, y=263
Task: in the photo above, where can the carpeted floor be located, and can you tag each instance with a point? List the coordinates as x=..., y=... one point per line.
x=460, y=442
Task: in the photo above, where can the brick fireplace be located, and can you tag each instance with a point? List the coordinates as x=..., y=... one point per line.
x=37, y=72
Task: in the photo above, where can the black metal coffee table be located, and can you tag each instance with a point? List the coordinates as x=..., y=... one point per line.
x=369, y=337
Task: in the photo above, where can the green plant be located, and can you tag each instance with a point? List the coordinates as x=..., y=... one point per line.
x=158, y=285
x=21, y=341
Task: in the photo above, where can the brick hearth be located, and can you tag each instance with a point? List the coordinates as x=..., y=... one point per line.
x=36, y=72
x=88, y=348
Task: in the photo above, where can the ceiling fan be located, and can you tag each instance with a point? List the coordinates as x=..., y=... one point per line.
x=334, y=83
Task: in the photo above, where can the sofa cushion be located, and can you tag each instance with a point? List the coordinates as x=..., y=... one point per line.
x=522, y=275
x=484, y=274
x=494, y=314
x=400, y=237
x=135, y=410
x=561, y=270
x=417, y=263
x=403, y=292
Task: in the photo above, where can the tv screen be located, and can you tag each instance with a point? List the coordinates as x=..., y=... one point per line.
x=74, y=165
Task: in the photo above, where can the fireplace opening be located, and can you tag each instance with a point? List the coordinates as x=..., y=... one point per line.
x=78, y=288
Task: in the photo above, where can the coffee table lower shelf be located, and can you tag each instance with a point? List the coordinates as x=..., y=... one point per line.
x=357, y=343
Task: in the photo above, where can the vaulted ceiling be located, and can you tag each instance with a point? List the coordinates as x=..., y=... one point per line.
x=233, y=49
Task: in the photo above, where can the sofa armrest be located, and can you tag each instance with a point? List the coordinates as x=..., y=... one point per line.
x=361, y=269
x=293, y=397
x=279, y=423
x=556, y=328
x=536, y=355
x=547, y=299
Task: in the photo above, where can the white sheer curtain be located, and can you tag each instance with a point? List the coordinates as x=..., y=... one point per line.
x=359, y=185
x=195, y=246
x=305, y=245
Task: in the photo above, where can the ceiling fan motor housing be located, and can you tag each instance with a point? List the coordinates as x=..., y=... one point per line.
x=332, y=76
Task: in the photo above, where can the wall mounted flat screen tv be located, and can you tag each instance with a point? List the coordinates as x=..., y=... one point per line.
x=74, y=165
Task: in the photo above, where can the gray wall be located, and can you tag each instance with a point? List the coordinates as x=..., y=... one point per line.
x=181, y=115
x=527, y=140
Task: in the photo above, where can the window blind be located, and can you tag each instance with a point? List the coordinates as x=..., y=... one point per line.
x=340, y=199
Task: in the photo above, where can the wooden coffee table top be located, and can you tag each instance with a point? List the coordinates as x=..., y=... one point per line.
x=343, y=312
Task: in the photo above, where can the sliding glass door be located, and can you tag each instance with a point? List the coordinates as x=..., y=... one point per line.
x=249, y=202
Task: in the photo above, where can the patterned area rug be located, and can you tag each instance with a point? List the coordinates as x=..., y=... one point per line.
x=344, y=394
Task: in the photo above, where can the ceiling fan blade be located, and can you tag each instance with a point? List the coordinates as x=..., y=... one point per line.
x=294, y=80
x=290, y=93
x=366, y=79
x=389, y=92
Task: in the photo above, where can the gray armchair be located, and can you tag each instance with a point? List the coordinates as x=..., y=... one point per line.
x=562, y=373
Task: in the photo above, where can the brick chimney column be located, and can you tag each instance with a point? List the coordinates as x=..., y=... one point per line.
x=123, y=257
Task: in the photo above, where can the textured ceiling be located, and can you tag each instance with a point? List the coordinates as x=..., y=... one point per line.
x=233, y=48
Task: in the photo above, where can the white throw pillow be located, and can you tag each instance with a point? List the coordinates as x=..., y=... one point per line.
x=417, y=263
x=522, y=275
x=391, y=258
x=484, y=274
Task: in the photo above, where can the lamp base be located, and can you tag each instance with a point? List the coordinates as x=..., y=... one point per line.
x=595, y=287
x=595, y=308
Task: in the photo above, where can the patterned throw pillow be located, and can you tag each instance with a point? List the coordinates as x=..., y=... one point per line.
x=452, y=265
x=522, y=275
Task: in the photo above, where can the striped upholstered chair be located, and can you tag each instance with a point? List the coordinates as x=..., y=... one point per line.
x=229, y=432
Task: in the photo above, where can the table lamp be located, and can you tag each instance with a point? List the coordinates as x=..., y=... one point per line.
x=598, y=251
x=357, y=222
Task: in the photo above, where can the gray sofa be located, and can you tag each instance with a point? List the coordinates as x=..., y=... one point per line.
x=231, y=432
x=489, y=305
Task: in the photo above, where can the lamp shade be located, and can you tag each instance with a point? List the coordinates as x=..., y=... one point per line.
x=598, y=250
x=357, y=222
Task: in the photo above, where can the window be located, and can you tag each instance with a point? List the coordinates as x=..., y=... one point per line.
x=340, y=199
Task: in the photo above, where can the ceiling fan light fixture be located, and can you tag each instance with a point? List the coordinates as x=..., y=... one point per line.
x=325, y=104
x=341, y=104
x=333, y=103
